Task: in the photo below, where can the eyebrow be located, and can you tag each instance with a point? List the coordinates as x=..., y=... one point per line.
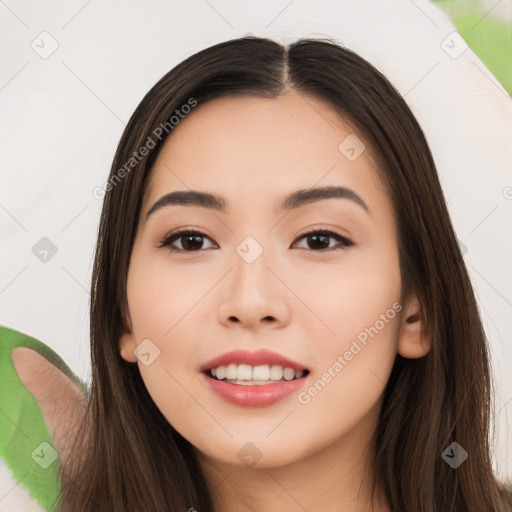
x=294, y=200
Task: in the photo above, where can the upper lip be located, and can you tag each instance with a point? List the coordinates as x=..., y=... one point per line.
x=257, y=358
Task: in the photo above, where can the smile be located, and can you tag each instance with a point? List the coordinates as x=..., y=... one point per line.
x=247, y=375
x=253, y=379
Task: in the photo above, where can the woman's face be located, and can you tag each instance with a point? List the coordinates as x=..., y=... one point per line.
x=253, y=280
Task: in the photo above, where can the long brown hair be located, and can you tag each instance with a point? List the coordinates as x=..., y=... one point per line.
x=127, y=457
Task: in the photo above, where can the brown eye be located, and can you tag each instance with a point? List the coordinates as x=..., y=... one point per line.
x=319, y=240
x=190, y=241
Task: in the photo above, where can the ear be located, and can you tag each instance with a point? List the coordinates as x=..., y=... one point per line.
x=413, y=339
x=127, y=342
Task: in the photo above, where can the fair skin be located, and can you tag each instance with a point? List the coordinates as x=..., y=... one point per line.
x=297, y=298
x=293, y=299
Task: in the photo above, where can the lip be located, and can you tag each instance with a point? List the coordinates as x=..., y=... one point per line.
x=257, y=358
x=255, y=395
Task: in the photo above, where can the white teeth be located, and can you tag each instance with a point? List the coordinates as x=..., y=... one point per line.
x=221, y=372
x=244, y=372
x=276, y=373
x=250, y=382
x=231, y=371
x=288, y=373
x=262, y=373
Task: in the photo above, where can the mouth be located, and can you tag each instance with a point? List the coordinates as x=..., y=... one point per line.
x=254, y=379
x=254, y=386
x=261, y=375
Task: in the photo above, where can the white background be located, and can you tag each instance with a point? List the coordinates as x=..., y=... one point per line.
x=63, y=115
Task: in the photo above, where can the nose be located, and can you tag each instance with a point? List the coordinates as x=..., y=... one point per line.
x=254, y=295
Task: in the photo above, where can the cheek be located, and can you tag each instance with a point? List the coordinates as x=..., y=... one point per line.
x=354, y=361
x=357, y=300
x=162, y=296
x=163, y=309
x=350, y=294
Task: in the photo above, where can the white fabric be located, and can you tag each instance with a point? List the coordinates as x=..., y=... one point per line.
x=14, y=497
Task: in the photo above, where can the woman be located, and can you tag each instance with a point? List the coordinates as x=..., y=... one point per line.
x=281, y=317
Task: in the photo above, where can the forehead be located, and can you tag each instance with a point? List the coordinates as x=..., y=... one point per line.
x=238, y=145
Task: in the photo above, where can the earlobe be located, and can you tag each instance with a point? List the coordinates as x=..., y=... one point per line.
x=413, y=340
x=126, y=347
x=127, y=344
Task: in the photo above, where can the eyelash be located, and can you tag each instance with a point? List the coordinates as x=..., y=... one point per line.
x=169, y=239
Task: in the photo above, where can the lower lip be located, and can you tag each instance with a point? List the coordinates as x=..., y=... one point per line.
x=256, y=395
